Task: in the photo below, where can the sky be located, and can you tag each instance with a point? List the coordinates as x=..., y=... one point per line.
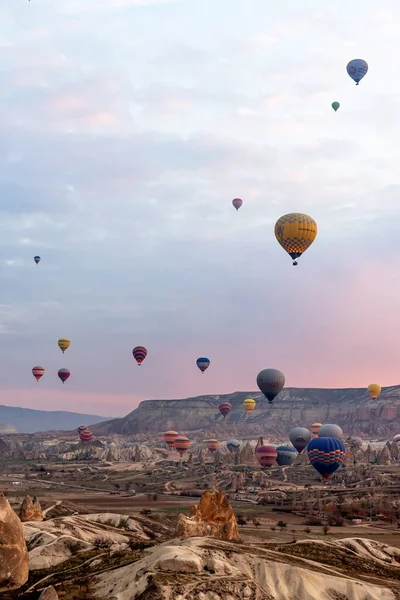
x=126, y=129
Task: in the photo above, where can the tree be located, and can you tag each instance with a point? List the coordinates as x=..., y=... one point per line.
x=282, y=525
x=241, y=520
x=326, y=528
x=128, y=486
x=117, y=486
x=256, y=522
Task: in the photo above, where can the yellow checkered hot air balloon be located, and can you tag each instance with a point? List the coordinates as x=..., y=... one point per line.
x=374, y=389
x=249, y=404
x=63, y=344
x=295, y=232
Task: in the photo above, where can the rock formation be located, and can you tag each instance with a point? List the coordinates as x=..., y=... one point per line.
x=49, y=594
x=13, y=552
x=213, y=517
x=30, y=510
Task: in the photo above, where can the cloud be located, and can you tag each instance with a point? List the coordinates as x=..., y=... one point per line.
x=126, y=130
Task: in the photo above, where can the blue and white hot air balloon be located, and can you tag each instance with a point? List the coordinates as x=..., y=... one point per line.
x=36, y=259
x=357, y=69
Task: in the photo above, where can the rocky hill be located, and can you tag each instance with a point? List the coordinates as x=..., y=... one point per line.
x=29, y=420
x=351, y=408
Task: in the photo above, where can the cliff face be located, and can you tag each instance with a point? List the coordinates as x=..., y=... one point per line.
x=352, y=409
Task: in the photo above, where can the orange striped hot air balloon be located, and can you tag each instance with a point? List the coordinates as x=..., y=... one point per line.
x=266, y=456
x=212, y=445
x=170, y=437
x=139, y=354
x=315, y=427
x=225, y=408
x=182, y=444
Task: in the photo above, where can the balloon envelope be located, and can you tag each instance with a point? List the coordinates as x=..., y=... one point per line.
x=36, y=259
x=203, y=363
x=295, y=232
x=225, y=408
x=374, y=389
x=286, y=455
x=170, y=437
x=266, y=456
x=63, y=344
x=212, y=445
x=38, y=372
x=396, y=438
x=182, y=444
x=270, y=382
x=249, y=404
x=335, y=106
x=299, y=436
x=86, y=435
x=330, y=431
x=326, y=455
x=237, y=203
x=139, y=354
x=233, y=446
x=63, y=374
x=357, y=69
x=315, y=427
x=82, y=428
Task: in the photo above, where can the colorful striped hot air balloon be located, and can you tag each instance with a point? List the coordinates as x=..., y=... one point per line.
x=225, y=408
x=249, y=405
x=212, y=445
x=170, y=437
x=203, y=363
x=396, y=438
x=182, y=444
x=63, y=374
x=315, y=427
x=139, y=354
x=266, y=456
x=38, y=373
x=326, y=455
x=86, y=435
x=63, y=344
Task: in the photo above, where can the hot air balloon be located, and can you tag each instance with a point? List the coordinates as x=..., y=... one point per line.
x=249, y=404
x=315, y=427
x=299, y=436
x=335, y=106
x=38, y=373
x=374, y=389
x=63, y=344
x=326, y=455
x=266, y=456
x=82, y=428
x=182, y=444
x=36, y=259
x=86, y=435
x=139, y=354
x=295, y=232
x=237, y=203
x=356, y=442
x=270, y=382
x=63, y=374
x=225, y=408
x=170, y=437
x=203, y=364
x=286, y=455
x=212, y=445
x=233, y=446
x=330, y=431
x=357, y=69
x=396, y=438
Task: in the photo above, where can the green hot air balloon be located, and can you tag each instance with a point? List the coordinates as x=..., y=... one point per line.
x=335, y=106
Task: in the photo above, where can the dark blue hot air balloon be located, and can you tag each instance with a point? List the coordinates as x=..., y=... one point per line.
x=286, y=455
x=326, y=455
x=203, y=363
x=36, y=259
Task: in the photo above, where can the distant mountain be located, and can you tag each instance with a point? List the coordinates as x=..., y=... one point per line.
x=351, y=408
x=27, y=420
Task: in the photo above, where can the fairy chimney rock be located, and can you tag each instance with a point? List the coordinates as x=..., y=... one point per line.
x=30, y=510
x=13, y=552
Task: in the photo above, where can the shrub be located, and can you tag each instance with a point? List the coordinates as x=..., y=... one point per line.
x=325, y=529
x=145, y=511
x=307, y=530
x=313, y=521
x=281, y=525
x=102, y=543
